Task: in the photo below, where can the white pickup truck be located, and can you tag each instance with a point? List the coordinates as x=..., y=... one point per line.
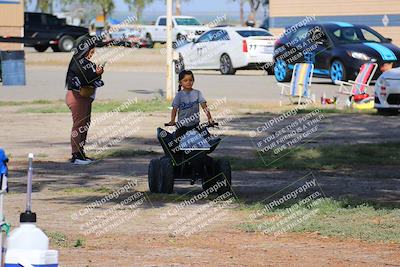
x=184, y=27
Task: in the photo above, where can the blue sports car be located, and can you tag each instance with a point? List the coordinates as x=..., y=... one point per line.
x=337, y=50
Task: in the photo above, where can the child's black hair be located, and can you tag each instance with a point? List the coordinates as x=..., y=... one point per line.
x=182, y=75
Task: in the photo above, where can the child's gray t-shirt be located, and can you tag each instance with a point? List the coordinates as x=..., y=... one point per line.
x=187, y=104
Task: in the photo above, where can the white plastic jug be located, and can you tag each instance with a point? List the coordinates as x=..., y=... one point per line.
x=28, y=236
x=28, y=246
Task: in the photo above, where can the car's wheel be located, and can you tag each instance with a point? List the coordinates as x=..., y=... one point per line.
x=337, y=71
x=281, y=71
x=41, y=48
x=223, y=174
x=166, y=182
x=66, y=43
x=149, y=41
x=154, y=175
x=226, y=66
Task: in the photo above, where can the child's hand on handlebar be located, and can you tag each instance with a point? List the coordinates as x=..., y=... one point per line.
x=99, y=70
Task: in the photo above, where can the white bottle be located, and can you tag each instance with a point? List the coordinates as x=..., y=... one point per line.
x=28, y=236
x=28, y=245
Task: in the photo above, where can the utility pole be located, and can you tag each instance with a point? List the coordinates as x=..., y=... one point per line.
x=169, y=85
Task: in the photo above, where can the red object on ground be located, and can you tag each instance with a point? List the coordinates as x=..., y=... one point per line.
x=358, y=98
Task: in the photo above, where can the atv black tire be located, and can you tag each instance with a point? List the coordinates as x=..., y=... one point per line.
x=154, y=175
x=166, y=181
x=221, y=171
x=208, y=180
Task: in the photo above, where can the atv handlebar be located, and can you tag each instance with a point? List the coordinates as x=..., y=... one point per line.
x=207, y=124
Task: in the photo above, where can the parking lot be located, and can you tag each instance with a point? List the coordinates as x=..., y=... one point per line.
x=140, y=73
x=351, y=155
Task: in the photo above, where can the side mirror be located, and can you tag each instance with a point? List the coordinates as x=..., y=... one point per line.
x=389, y=40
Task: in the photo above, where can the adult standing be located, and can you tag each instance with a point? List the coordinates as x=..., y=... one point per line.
x=83, y=78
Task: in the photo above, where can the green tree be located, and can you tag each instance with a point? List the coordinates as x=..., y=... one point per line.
x=138, y=6
x=106, y=6
x=44, y=6
x=254, y=5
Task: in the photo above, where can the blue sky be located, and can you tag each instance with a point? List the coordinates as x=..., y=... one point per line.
x=204, y=9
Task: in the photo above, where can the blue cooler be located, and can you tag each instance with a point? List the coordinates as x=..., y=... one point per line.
x=13, y=67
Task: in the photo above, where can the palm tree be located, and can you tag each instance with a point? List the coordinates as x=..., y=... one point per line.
x=44, y=6
x=178, y=5
x=138, y=5
x=178, y=10
x=254, y=5
x=107, y=6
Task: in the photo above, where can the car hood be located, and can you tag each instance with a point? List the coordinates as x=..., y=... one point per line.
x=380, y=51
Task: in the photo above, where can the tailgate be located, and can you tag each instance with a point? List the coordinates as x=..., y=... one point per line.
x=260, y=45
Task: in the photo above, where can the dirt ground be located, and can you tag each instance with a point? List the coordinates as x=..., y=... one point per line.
x=144, y=237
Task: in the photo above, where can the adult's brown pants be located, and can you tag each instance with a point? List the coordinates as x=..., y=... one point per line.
x=81, y=108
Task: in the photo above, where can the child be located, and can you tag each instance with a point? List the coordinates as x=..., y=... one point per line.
x=186, y=104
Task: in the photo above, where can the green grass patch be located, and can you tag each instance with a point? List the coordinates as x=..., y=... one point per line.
x=62, y=241
x=57, y=238
x=340, y=219
x=323, y=157
x=47, y=109
x=152, y=105
x=337, y=111
x=24, y=103
x=79, y=243
x=124, y=153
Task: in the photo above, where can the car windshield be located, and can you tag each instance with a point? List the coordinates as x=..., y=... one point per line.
x=249, y=33
x=354, y=35
x=187, y=21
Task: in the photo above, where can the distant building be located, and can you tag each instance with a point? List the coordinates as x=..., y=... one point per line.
x=381, y=15
x=11, y=22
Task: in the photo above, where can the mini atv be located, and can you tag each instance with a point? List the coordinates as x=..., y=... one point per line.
x=187, y=158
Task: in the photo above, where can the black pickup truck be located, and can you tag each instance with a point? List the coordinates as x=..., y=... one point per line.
x=48, y=30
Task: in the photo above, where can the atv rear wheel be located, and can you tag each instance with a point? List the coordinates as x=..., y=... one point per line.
x=223, y=174
x=154, y=175
x=166, y=181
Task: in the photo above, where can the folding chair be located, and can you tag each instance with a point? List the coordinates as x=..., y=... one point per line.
x=300, y=84
x=360, y=85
